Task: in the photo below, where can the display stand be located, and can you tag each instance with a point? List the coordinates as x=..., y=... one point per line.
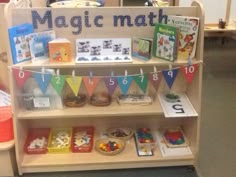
x=133, y=116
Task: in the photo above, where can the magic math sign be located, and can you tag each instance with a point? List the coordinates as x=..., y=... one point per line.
x=97, y=20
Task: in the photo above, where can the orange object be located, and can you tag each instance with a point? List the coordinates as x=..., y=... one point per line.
x=59, y=50
x=6, y=125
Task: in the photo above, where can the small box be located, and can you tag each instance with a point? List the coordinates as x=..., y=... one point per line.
x=82, y=139
x=145, y=142
x=37, y=141
x=60, y=140
x=59, y=50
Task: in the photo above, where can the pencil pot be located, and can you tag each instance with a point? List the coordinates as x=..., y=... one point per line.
x=6, y=125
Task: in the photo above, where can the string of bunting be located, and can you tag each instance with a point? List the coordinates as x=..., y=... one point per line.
x=58, y=81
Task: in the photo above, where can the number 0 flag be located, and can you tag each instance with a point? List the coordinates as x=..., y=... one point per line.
x=189, y=72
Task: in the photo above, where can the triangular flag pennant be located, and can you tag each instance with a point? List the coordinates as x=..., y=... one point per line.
x=74, y=83
x=43, y=80
x=155, y=79
x=170, y=76
x=111, y=84
x=90, y=84
x=58, y=83
x=124, y=83
x=189, y=72
x=21, y=76
x=142, y=81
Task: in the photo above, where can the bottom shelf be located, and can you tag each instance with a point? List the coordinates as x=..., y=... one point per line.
x=95, y=161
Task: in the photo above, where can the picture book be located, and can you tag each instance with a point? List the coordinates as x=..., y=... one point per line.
x=59, y=50
x=39, y=45
x=188, y=33
x=142, y=48
x=103, y=50
x=165, y=42
x=19, y=43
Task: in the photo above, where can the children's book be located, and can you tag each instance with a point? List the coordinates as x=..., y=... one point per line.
x=18, y=36
x=60, y=50
x=188, y=33
x=39, y=45
x=165, y=42
x=142, y=48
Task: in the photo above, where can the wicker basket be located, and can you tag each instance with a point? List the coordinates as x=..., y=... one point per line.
x=121, y=144
x=120, y=133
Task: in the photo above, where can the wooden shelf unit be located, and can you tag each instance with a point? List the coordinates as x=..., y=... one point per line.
x=115, y=115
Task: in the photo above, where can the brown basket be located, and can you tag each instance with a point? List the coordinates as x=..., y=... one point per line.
x=106, y=140
x=114, y=133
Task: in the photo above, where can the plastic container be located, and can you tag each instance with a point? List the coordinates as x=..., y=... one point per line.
x=37, y=141
x=6, y=124
x=82, y=139
x=60, y=140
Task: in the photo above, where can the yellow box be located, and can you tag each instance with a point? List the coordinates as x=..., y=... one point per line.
x=60, y=140
x=59, y=50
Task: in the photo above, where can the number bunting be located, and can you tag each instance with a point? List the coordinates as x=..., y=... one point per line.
x=111, y=84
x=21, y=76
x=91, y=84
x=170, y=76
x=155, y=79
x=74, y=83
x=142, y=81
x=43, y=80
x=124, y=83
x=189, y=72
x=58, y=83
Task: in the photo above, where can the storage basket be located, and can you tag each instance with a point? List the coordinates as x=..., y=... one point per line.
x=82, y=139
x=37, y=141
x=56, y=145
x=6, y=125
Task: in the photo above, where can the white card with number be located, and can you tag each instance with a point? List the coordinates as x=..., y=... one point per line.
x=181, y=108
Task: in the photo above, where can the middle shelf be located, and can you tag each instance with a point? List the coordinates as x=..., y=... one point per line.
x=93, y=111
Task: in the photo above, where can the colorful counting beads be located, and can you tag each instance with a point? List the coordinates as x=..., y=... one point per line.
x=109, y=147
x=144, y=135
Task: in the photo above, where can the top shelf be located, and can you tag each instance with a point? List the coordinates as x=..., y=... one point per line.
x=136, y=62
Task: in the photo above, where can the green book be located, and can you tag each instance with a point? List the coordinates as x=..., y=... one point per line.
x=165, y=42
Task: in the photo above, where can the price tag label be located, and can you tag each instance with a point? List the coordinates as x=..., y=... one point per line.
x=41, y=102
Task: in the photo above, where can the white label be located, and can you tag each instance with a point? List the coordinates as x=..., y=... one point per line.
x=41, y=102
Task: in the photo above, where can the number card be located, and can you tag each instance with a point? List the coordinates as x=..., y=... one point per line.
x=182, y=107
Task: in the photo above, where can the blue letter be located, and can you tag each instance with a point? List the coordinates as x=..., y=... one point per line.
x=76, y=22
x=161, y=16
x=97, y=18
x=60, y=22
x=36, y=17
x=151, y=16
x=87, y=19
x=122, y=20
x=140, y=20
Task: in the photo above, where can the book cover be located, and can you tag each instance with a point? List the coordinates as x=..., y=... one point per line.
x=39, y=45
x=142, y=48
x=188, y=33
x=19, y=43
x=165, y=42
x=59, y=50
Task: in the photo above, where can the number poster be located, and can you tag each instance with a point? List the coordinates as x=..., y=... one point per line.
x=182, y=107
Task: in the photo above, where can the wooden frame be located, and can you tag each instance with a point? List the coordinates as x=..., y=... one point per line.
x=132, y=116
